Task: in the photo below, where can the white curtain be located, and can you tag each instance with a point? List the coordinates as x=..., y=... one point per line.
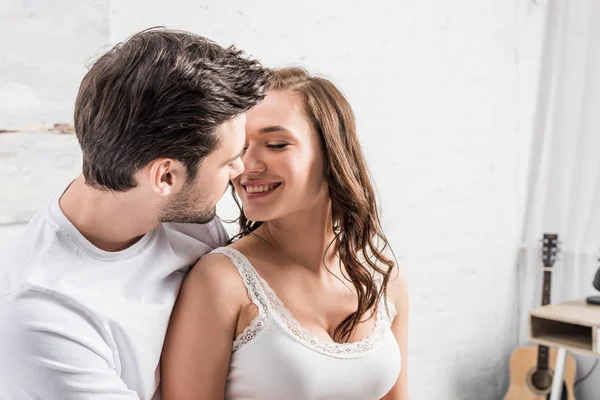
x=564, y=178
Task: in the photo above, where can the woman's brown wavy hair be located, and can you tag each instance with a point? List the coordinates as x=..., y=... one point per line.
x=359, y=238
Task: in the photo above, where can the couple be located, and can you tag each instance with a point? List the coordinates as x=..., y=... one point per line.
x=303, y=303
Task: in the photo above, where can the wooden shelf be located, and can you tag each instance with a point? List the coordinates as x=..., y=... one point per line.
x=573, y=325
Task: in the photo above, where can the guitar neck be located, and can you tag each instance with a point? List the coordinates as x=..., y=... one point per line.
x=547, y=288
x=543, y=356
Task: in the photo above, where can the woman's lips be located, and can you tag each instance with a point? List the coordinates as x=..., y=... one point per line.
x=259, y=188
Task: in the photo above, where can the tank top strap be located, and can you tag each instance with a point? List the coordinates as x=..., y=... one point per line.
x=386, y=307
x=255, y=293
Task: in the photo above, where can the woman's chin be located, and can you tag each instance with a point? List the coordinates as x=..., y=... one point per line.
x=257, y=219
x=257, y=216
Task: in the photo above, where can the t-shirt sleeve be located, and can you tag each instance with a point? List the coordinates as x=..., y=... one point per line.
x=52, y=348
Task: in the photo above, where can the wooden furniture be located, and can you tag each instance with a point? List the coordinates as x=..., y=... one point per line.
x=572, y=326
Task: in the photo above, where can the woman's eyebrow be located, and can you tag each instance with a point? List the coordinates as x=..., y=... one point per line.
x=274, y=128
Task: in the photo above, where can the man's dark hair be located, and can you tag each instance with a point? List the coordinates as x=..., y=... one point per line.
x=161, y=93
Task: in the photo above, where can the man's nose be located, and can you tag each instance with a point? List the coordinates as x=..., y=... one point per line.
x=253, y=161
x=240, y=167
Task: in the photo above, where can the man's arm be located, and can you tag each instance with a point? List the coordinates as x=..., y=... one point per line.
x=53, y=348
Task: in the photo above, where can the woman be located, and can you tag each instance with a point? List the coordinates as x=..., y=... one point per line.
x=304, y=305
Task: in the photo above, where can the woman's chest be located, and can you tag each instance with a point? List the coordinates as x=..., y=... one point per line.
x=279, y=366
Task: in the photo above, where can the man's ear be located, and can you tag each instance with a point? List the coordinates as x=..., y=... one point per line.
x=166, y=176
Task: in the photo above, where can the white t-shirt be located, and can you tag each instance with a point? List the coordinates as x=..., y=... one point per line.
x=79, y=323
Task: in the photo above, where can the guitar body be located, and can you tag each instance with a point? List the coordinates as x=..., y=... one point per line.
x=523, y=377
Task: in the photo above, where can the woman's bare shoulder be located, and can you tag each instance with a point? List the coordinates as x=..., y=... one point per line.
x=397, y=289
x=215, y=274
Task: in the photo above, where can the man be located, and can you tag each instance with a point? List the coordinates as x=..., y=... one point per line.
x=87, y=291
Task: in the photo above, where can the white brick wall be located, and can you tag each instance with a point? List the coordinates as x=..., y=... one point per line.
x=34, y=166
x=45, y=47
x=443, y=93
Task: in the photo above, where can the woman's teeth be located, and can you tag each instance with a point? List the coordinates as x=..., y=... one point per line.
x=260, y=189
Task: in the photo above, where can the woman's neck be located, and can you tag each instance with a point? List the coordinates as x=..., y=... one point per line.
x=305, y=238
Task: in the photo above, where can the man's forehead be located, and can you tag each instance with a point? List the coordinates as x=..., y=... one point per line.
x=233, y=124
x=232, y=136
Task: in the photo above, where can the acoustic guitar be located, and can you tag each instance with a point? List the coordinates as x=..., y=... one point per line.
x=531, y=367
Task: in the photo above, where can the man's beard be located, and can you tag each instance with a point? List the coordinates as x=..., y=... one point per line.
x=185, y=208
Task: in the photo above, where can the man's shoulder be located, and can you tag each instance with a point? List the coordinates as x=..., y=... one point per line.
x=19, y=256
x=212, y=234
x=34, y=302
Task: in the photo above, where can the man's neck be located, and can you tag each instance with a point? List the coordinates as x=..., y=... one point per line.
x=111, y=221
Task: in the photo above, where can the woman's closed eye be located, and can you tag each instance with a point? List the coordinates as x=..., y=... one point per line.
x=277, y=145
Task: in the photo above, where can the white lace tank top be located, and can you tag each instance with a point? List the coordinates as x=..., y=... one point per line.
x=276, y=358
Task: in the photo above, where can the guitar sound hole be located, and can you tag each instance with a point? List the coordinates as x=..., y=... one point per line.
x=541, y=380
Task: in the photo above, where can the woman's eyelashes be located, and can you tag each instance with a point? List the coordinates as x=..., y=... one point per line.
x=277, y=145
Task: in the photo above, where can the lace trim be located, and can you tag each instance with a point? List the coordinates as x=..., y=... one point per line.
x=254, y=292
x=342, y=350
x=253, y=282
x=390, y=311
x=393, y=312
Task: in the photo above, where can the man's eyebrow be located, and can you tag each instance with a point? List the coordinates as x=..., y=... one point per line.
x=274, y=128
